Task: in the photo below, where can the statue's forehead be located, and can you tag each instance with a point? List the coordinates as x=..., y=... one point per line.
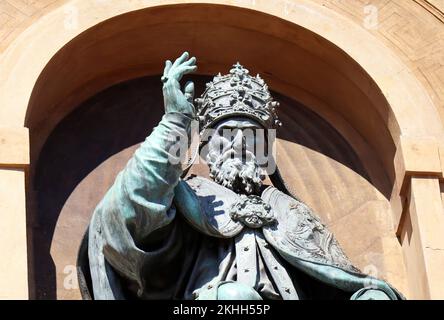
x=240, y=122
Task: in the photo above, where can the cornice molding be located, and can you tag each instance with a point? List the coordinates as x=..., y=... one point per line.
x=438, y=12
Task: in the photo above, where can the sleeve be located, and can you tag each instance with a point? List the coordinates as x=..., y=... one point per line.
x=144, y=190
x=140, y=200
x=369, y=293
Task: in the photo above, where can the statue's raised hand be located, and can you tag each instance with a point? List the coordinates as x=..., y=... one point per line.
x=175, y=99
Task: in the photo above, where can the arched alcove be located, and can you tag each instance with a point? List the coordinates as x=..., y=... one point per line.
x=87, y=149
x=303, y=55
x=292, y=59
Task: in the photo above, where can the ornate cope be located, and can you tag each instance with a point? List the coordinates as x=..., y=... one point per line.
x=252, y=211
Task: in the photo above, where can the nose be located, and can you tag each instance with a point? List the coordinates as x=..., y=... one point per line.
x=239, y=141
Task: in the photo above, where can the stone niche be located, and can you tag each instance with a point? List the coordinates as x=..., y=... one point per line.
x=91, y=96
x=87, y=149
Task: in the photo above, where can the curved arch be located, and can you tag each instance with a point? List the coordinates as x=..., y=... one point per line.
x=303, y=50
x=362, y=81
x=95, y=144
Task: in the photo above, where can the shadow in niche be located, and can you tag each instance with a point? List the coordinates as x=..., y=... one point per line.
x=304, y=127
x=112, y=120
x=120, y=117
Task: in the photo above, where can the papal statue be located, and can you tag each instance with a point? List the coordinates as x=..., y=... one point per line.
x=159, y=235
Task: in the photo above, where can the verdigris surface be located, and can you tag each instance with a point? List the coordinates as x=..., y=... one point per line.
x=158, y=236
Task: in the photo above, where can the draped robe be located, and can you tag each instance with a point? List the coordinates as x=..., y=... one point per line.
x=156, y=236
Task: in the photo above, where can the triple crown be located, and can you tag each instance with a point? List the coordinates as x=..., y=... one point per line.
x=237, y=94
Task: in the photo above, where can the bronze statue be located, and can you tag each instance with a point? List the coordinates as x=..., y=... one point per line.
x=156, y=235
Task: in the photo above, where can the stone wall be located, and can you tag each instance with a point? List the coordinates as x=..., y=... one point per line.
x=384, y=94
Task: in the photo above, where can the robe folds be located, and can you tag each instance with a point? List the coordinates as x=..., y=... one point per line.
x=156, y=236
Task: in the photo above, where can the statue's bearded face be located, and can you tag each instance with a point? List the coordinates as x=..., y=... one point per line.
x=232, y=155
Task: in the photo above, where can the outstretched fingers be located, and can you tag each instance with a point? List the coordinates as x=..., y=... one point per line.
x=190, y=62
x=186, y=70
x=180, y=67
x=181, y=59
x=168, y=65
x=189, y=91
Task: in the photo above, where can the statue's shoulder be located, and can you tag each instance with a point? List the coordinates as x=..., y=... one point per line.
x=205, y=189
x=206, y=205
x=201, y=184
x=279, y=200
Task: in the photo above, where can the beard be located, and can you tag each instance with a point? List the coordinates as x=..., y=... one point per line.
x=239, y=175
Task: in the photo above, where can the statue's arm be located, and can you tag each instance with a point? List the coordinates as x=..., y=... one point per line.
x=370, y=294
x=142, y=193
